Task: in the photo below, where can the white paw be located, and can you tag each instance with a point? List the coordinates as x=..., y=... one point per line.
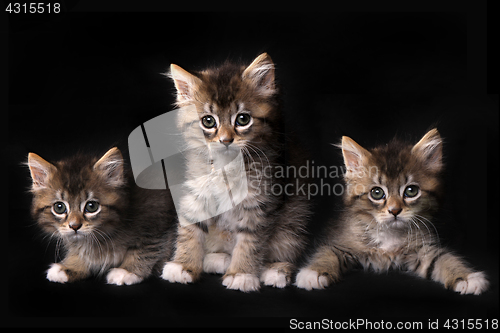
x=56, y=274
x=243, y=282
x=309, y=279
x=216, y=263
x=174, y=272
x=120, y=276
x=475, y=284
x=273, y=277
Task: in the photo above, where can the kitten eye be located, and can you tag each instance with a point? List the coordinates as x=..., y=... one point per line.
x=208, y=121
x=377, y=193
x=243, y=119
x=411, y=191
x=59, y=207
x=91, y=207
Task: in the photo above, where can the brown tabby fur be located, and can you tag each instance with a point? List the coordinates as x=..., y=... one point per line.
x=132, y=231
x=395, y=231
x=264, y=234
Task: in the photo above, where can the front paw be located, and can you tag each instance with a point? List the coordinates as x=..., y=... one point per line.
x=174, y=272
x=310, y=279
x=56, y=273
x=475, y=284
x=274, y=278
x=120, y=276
x=216, y=263
x=241, y=281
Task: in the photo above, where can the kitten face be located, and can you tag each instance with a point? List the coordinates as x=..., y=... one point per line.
x=396, y=185
x=234, y=105
x=77, y=199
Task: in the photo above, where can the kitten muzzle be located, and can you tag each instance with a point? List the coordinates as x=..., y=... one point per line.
x=75, y=226
x=226, y=141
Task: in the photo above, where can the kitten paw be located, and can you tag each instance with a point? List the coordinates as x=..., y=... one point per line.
x=475, y=284
x=243, y=282
x=309, y=279
x=216, y=263
x=120, y=276
x=56, y=274
x=275, y=278
x=174, y=272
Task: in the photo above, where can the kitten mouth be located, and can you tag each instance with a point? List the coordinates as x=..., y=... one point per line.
x=76, y=235
x=396, y=223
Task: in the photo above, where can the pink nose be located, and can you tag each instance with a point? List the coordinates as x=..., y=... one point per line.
x=226, y=142
x=395, y=211
x=75, y=225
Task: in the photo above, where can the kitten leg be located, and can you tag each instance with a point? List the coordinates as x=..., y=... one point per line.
x=71, y=269
x=218, y=243
x=245, y=263
x=187, y=264
x=277, y=274
x=444, y=267
x=323, y=269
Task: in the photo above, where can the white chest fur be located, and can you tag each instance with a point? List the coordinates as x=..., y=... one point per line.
x=388, y=240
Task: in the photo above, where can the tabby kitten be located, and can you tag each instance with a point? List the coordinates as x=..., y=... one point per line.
x=103, y=221
x=261, y=237
x=391, y=196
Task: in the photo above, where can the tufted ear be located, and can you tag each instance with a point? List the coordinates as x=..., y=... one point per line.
x=40, y=170
x=355, y=156
x=184, y=81
x=111, y=167
x=430, y=150
x=261, y=74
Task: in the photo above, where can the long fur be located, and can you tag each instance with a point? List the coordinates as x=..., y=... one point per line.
x=127, y=238
x=264, y=234
x=396, y=231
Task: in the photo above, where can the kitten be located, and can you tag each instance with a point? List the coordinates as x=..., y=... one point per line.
x=391, y=196
x=262, y=236
x=103, y=221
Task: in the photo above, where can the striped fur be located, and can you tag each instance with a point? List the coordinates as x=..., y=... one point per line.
x=262, y=236
x=127, y=237
x=395, y=231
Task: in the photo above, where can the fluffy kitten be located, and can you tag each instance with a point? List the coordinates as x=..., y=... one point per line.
x=391, y=196
x=102, y=220
x=236, y=108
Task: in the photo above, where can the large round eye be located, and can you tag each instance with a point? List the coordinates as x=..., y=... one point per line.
x=91, y=207
x=377, y=193
x=411, y=191
x=59, y=207
x=243, y=119
x=208, y=121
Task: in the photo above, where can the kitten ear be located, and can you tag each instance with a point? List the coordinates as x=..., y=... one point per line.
x=184, y=83
x=261, y=73
x=40, y=171
x=354, y=155
x=111, y=167
x=430, y=149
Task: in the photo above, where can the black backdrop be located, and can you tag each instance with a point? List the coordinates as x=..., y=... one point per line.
x=85, y=80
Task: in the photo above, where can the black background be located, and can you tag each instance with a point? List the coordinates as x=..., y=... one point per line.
x=84, y=79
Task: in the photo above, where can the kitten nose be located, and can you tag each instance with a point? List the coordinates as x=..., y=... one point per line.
x=226, y=141
x=75, y=225
x=395, y=211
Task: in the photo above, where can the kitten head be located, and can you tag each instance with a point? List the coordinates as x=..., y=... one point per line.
x=233, y=105
x=396, y=185
x=79, y=197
